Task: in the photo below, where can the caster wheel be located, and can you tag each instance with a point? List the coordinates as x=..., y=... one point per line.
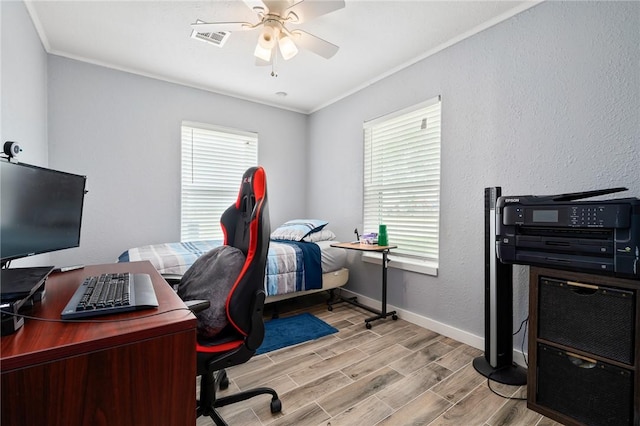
x=330, y=308
x=224, y=383
x=394, y=317
x=368, y=325
x=276, y=406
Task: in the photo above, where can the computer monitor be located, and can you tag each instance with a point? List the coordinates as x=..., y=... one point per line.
x=40, y=210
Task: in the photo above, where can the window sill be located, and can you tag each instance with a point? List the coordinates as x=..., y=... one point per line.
x=404, y=263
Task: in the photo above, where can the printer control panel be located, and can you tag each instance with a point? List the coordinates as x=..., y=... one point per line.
x=575, y=216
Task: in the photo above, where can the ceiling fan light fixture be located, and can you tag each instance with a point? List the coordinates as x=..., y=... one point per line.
x=268, y=37
x=262, y=53
x=288, y=48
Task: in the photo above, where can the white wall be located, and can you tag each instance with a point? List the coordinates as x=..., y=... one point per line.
x=123, y=132
x=23, y=92
x=546, y=102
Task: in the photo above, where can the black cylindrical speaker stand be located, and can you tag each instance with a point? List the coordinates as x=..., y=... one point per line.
x=497, y=363
x=509, y=375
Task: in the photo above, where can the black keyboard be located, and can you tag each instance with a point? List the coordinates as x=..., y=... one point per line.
x=111, y=293
x=106, y=290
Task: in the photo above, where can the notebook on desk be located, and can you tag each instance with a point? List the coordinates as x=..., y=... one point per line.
x=109, y=294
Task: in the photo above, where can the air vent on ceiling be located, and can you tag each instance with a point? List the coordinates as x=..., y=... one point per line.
x=218, y=39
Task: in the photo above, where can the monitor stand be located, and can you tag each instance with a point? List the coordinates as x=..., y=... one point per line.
x=20, y=288
x=20, y=283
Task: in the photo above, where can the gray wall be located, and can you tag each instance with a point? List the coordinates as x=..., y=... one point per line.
x=23, y=89
x=545, y=102
x=24, y=83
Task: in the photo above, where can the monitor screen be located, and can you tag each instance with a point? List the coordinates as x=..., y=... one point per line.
x=40, y=210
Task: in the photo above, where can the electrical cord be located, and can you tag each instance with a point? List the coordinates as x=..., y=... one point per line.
x=94, y=321
x=499, y=394
x=524, y=324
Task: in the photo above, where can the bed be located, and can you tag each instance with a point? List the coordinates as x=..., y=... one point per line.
x=300, y=260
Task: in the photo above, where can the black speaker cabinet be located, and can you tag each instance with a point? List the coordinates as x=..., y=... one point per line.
x=590, y=391
x=584, y=366
x=593, y=318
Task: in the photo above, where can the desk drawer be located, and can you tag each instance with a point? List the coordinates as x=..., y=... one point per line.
x=595, y=319
x=594, y=393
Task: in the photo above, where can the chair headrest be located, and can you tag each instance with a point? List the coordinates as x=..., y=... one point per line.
x=252, y=191
x=236, y=220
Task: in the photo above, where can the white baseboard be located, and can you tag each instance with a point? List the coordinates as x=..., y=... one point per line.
x=428, y=323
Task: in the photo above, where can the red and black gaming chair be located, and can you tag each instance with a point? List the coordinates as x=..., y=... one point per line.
x=246, y=226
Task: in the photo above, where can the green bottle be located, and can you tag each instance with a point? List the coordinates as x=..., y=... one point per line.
x=382, y=235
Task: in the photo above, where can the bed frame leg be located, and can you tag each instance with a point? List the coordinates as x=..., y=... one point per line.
x=333, y=299
x=275, y=314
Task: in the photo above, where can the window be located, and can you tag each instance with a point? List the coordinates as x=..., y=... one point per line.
x=213, y=162
x=402, y=183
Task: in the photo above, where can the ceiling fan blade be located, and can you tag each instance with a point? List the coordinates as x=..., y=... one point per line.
x=307, y=10
x=257, y=4
x=314, y=44
x=214, y=27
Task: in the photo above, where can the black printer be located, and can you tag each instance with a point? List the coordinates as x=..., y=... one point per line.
x=557, y=231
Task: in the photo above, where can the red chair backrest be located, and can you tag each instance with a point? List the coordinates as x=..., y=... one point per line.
x=246, y=226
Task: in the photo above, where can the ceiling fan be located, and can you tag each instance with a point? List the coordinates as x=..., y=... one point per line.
x=273, y=17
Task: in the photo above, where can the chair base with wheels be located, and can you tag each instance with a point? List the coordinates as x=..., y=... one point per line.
x=214, y=377
x=208, y=402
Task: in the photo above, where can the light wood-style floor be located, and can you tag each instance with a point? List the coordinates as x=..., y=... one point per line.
x=396, y=374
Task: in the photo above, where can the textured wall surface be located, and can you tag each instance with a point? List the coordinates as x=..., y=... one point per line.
x=545, y=102
x=24, y=84
x=23, y=90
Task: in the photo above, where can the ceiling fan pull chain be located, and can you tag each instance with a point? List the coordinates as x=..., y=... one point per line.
x=274, y=73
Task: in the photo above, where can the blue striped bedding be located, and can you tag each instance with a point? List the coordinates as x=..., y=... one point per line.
x=291, y=266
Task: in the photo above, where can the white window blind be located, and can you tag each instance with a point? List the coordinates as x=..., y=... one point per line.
x=402, y=179
x=213, y=162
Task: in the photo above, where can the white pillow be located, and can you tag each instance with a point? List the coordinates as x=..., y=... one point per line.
x=322, y=235
x=297, y=229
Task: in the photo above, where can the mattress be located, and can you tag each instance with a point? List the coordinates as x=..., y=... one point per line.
x=332, y=258
x=330, y=280
x=286, y=265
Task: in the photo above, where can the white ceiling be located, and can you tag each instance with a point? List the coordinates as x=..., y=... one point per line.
x=153, y=38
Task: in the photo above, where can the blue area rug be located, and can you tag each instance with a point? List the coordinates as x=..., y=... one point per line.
x=289, y=331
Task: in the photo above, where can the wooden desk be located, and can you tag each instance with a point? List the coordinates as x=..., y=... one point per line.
x=381, y=314
x=134, y=368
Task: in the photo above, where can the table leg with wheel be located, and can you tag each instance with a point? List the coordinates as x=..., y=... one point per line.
x=383, y=313
x=352, y=300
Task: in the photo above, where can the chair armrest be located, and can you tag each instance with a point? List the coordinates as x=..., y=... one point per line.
x=196, y=306
x=172, y=279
